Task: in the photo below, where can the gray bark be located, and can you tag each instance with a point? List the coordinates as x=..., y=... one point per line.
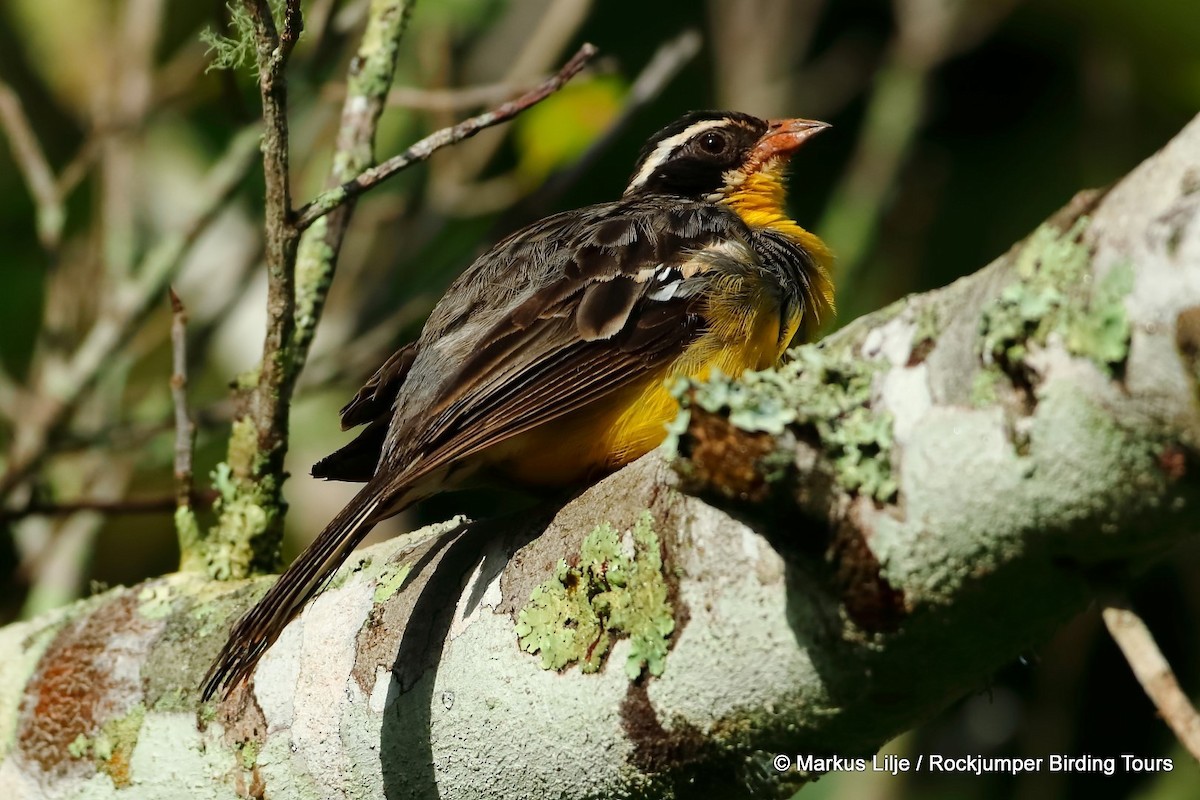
x=839, y=551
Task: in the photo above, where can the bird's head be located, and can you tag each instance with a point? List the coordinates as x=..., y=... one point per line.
x=712, y=155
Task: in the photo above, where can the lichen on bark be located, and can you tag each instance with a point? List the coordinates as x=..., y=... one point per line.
x=615, y=590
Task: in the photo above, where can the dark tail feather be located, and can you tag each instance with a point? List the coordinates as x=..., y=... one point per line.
x=261, y=625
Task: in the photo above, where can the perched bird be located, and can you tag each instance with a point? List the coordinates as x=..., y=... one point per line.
x=547, y=362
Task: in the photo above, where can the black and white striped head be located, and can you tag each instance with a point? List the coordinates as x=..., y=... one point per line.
x=705, y=154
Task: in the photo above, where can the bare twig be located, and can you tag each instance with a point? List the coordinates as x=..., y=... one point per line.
x=64, y=389
x=31, y=161
x=457, y=99
x=164, y=504
x=452, y=100
x=1153, y=673
x=185, y=428
x=77, y=168
x=329, y=200
x=546, y=35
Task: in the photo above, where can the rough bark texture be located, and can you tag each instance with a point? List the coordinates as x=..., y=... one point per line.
x=864, y=536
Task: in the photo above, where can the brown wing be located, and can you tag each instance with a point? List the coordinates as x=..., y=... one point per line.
x=377, y=396
x=549, y=370
x=371, y=406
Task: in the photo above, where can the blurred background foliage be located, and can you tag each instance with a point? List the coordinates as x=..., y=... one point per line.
x=958, y=126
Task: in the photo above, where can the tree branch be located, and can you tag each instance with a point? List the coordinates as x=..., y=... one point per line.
x=331, y=199
x=1154, y=673
x=271, y=397
x=187, y=528
x=31, y=161
x=185, y=429
x=915, y=501
x=249, y=529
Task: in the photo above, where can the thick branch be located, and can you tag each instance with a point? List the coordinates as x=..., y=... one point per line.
x=918, y=499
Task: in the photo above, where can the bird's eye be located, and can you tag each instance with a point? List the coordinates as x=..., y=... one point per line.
x=714, y=143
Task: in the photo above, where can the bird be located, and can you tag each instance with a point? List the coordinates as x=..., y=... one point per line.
x=547, y=363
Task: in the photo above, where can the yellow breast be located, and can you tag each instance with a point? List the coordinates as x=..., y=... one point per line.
x=630, y=423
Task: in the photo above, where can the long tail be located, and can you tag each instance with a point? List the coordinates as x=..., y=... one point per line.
x=261, y=625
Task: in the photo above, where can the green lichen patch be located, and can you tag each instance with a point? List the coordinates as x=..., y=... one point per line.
x=617, y=590
x=314, y=275
x=111, y=748
x=819, y=390
x=237, y=50
x=240, y=544
x=1054, y=295
x=191, y=548
x=248, y=753
x=1100, y=331
x=984, y=387
x=390, y=581
x=154, y=601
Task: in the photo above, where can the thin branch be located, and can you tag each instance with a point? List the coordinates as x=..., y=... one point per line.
x=461, y=98
x=536, y=55
x=78, y=167
x=31, y=161
x=1153, y=672
x=128, y=505
x=329, y=200
x=185, y=428
x=269, y=408
x=452, y=100
x=258, y=442
x=64, y=389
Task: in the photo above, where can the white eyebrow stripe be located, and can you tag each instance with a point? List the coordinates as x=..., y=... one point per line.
x=667, y=146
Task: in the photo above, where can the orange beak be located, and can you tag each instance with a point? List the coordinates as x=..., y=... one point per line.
x=782, y=139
